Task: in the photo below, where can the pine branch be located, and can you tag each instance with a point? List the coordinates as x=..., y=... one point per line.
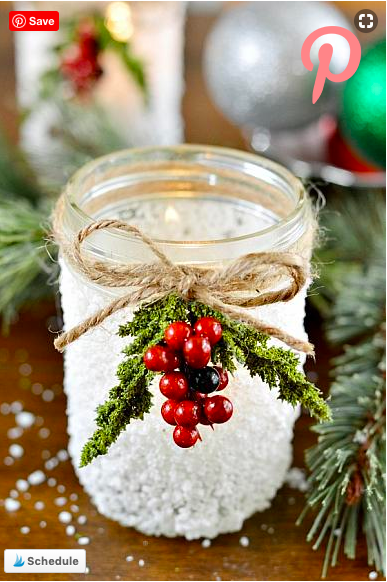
x=131, y=399
x=347, y=480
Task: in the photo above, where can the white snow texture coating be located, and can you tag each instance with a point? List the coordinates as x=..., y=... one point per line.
x=146, y=481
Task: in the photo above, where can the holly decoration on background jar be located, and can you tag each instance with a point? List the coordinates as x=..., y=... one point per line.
x=79, y=62
x=189, y=383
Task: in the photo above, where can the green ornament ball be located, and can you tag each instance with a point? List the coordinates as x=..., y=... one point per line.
x=363, y=116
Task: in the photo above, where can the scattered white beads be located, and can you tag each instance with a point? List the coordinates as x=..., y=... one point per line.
x=8, y=461
x=51, y=482
x=83, y=541
x=16, y=451
x=39, y=505
x=60, y=501
x=25, y=369
x=82, y=519
x=16, y=407
x=48, y=395
x=36, y=478
x=141, y=563
x=65, y=517
x=44, y=433
x=61, y=488
x=14, y=494
x=22, y=485
x=43, y=524
x=15, y=432
x=25, y=530
x=373, y=575
x=206, y=543
x=129, y=558
x=70, y=530
x=244, y=541
x=25, y=419
x=62, y=455
x=11, y=504
x=5, y=408
x=74, y=508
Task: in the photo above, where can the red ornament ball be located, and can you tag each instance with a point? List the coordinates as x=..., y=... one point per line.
x=209, y=327
x=218, y=409
x=168, y=411
x=223, y=378
x=197, y=351
x=177, y=333
x=187, y=413
x=185, y=437
x=160, y=359
x=174, y=385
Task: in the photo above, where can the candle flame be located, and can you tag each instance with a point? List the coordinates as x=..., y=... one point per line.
x=119, y=21
x=171, y=215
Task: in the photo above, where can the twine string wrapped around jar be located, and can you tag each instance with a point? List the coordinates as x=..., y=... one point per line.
x=232, y=289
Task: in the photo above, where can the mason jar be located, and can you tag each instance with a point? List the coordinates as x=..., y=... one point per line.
x=202, y=205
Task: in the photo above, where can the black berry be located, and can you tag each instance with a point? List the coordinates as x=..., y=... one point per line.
x=204, y=380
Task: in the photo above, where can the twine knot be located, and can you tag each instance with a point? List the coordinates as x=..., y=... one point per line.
x=250, y=281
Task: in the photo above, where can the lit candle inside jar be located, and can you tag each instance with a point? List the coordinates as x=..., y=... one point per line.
x=201, y=205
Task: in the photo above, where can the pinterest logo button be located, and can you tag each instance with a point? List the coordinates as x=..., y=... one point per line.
x=325, y=54
x=19, y=20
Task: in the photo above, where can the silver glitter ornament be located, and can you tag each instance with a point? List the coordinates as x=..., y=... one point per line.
x=253, y=64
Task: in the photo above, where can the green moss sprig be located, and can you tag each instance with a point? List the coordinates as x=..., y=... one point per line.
x=131, y=398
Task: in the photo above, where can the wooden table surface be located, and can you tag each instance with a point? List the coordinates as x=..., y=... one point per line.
x=31, y=374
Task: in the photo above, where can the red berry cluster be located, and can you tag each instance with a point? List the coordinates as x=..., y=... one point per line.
x=188, y=380
x=79, y=62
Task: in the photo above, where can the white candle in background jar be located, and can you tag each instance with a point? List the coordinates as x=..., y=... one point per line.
x=155, y=31
x=205, y=205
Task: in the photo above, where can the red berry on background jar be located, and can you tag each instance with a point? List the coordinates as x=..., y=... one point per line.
x=223, y=378
x=185, y=437
x=160, y=359
x=197, y=351
x=209, y=327
x=177, y=333
x=187, y=413
x=168, y=411
x=218, y=409
x=174, y=385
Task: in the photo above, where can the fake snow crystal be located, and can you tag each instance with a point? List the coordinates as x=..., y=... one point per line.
x=44, y=433
x=39, y=505
x=60, y=501
x=22, y=485
x=36, y=478
x=43, y=524
x=16, y=451
x=8, y=461
x=51, y=482
x=373, y=575
x=61, y=488
x=206, y=543
x=65, y=517
x=296, y=479
x=25, y=530
x=129, y=558
x=74, y=508
x=83, y=541
x=141, y=563
x=14, y=494
x=5, y=408
x=25, y=419
x=144, y=467
x=11, y=504
x=70, y=530
x=244, y=541
x=48, y=395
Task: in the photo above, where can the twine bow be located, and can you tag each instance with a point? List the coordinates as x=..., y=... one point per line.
x=231, y=290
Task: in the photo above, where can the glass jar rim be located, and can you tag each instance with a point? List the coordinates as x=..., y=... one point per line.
x=208, y=152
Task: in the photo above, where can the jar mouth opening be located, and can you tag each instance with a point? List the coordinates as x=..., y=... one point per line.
x=212, y=159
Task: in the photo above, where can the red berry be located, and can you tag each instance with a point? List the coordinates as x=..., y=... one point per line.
x=185, y=437
x=202, y=415
x=176, y=334
x=187, y=413
x=218, y=409
x=174, y=385
x=197, y=351
x=160, y=359
x=223, y=378
x=168, y=411
x=209, y=327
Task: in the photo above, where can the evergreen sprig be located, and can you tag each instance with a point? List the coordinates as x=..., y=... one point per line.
x=347, y=480
x=131, y=398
